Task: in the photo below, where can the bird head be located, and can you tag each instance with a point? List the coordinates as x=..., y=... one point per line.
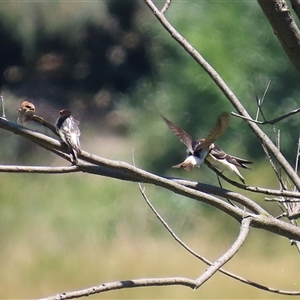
x=27, y=107
x=65, y=113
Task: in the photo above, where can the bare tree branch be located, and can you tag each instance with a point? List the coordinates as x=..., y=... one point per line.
x=285, y=28
x=226, y=90
x=282, y=200
x=122, y=170
x=133, y=283
x=110, y=286
x=39, y=169
x=169, y=229
x=206, y=261
x=255, y=189
x=154, y=282
x=257, y=217
x=261, y=101
x=166, y=6
x=274, y=167
x=206, y=188
x=55, y=146
x=271, y=122
x=236, y=246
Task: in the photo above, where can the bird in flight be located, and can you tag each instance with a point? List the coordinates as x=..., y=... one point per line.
x=205, y=149
x=68, y=130
x=197, y=150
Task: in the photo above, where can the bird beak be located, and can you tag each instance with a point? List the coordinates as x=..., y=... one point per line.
x=29, y=110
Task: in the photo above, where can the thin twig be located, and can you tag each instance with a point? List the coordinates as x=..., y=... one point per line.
x=165, y=224
x=220, y=174
x=236, y=246
x=284, y=116
x=256, y=189
x=297, y=156
x=2, y=107
x=271, y=122
x=246, y=118
x=261, y=101
x=282, y=200
x=166, y=6
x=220, y=184
x=274, y=167
x=284, y=214
x=258, y=100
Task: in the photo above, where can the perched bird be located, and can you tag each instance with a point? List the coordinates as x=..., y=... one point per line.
x=68, y=130
x=29, y=119
x=223, y=161
x=197, y=150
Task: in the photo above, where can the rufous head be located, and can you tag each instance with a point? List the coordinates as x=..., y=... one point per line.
x=27, y=107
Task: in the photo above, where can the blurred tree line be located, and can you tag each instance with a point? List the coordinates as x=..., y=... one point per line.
x=113, y=64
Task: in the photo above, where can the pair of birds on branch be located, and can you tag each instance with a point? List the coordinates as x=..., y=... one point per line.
x=66, y=126
x=205, y=149
x=67, y=129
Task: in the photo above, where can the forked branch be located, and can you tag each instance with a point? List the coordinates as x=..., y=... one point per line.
x=226, y=90
x=245, y=227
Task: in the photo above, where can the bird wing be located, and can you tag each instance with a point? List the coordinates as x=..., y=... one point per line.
x=70, y=133
x=239, y=162
x=216, y=132
x=184, y=137
x=218, y=153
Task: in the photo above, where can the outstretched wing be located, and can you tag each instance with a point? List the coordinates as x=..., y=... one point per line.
x=184, y=137
x=216, y=132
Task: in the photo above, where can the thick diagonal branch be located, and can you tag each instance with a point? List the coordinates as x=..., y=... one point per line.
x=285, y=28
x=226, y=91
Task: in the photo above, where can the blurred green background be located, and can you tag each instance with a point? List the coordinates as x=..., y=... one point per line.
x=116, y=68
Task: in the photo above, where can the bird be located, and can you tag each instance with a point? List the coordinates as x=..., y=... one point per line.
x=206, y=149
x=197, y=150
x=28, y=118
x=68, y=130
x=223, y=161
